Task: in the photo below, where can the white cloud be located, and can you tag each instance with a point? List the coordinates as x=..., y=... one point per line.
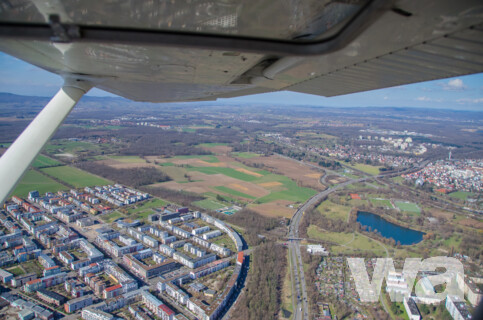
x=454, y=85
x=423, y=99
x=427, y=99
x=386, y=98
x=469, y=100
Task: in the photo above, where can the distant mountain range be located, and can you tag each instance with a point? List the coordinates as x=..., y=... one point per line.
x=6, y=97
x=12, y=104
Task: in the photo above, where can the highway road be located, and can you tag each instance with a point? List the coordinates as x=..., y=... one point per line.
x=301, y=310
x=299, y=292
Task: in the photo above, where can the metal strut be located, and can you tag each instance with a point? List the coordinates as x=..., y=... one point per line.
x=17, y=159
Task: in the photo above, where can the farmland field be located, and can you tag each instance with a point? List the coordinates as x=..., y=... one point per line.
x=128, y=159
x=34, y=180
x=209, y=204
x=230, y=172
x=75, y=177
x=234, y=192
x=245, y=155
x=206, y=158
x=292, y=192
x=44, y=162
x=304, y=175
x=275, y=194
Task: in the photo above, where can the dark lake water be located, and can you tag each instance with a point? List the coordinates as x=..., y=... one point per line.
x=389, y=230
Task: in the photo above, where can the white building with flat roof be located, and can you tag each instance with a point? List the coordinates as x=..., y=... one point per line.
x=317, y=249
x=411, y=309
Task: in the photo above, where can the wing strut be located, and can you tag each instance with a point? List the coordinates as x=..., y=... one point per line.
x=17, y=159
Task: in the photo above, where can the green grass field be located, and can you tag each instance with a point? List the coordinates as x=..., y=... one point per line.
x=315, y=232
x=226, y=171
x=44, y=162
x=75, y=177
x=234, y=192
x=382, y=203
x=287, y=190
x=333, y=211
x=462, y=195
x=34, y=180
x=167, y=164
x=398, y=179
x=33, y=266
x=402, y=314
x=293, y=193
x=16, y=271
x=209, y=204
x=372, y=170
x=348, y=242
x=146, y=205
x=212, y=196
x=207, y=158
x=128, y=159
x=245, y=155
x=224, y=241
x=108, y=218
x=408, y=206
x=142, y=215
x=453, y=241
x=67, y=146
x=210, y=159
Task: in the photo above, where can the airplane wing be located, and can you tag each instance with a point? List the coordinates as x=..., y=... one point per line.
x=185, y=50
x=160, y=51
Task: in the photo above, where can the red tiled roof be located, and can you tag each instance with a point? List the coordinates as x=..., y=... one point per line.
x=167, y=310
x=54, y=267
x=117, y=286
x=240, y=257
x=33, y=281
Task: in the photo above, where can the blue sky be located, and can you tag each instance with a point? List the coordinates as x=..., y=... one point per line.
x=464, y=93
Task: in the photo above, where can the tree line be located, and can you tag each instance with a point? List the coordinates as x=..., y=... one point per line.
x=183, y=198
x=262, y=297
x=134, y=177
x=253, y=224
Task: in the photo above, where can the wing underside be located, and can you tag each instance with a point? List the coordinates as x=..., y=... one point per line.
x=202, y=50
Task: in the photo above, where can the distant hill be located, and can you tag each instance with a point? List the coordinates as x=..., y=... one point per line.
x=27, y=106
x=6, y=97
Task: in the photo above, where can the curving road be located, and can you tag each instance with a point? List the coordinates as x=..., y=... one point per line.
x=301, y=310
x=299, y=299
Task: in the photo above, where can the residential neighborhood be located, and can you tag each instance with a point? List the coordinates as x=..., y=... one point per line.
x=59, y=260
